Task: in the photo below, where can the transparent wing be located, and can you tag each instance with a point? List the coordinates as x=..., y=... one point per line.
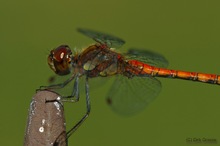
x=147, y=56
x=109, y=40
x=129, y=96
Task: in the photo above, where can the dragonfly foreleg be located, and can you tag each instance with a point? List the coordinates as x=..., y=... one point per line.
x=75, y=92
x=88, y=107
x=57, y=86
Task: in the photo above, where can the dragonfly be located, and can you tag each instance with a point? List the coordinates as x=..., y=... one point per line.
x=135, y=72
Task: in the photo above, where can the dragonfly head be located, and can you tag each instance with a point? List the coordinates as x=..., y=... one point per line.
x=60, y=59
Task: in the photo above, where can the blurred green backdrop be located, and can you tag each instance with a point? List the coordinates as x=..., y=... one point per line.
x=185, y=32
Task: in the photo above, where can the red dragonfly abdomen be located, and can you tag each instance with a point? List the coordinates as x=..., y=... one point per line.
x=141, y=69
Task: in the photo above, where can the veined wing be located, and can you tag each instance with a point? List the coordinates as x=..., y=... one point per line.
x=102, y=38
x=130, y=96
x=147, y=57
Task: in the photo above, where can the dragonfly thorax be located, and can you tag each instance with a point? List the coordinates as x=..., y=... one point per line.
x=98, y=60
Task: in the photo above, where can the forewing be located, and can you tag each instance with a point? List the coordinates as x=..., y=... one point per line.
x=106, y=39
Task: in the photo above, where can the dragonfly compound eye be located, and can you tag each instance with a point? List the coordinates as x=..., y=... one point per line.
x=60, y=59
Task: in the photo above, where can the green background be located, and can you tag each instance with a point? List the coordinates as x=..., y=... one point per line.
x=186, y=32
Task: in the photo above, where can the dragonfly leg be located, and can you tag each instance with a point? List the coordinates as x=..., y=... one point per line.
x=88, y=107
x=75, y=92
x=57, y=86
